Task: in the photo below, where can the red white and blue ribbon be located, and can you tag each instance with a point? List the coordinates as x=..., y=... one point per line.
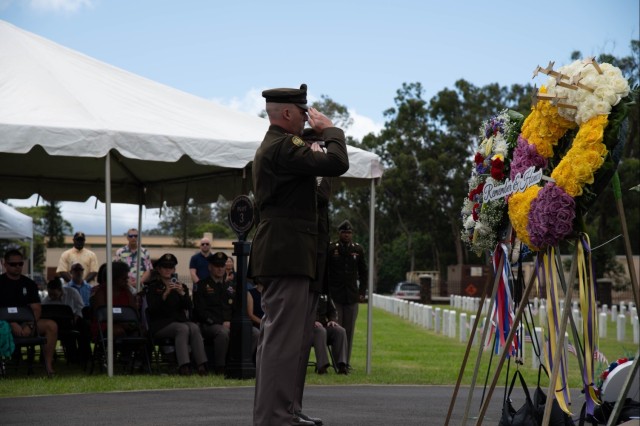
x=503, y=315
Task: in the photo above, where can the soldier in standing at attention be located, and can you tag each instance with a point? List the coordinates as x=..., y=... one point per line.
x=284, y=249
x=347, y=267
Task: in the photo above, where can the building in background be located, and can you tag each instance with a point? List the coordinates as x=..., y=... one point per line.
x=157, y=245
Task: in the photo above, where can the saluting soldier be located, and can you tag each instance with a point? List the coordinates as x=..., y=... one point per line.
x=283, y=251
x=347, y=268
x=319, y=284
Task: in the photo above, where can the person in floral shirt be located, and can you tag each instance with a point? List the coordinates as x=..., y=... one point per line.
x=128, y=254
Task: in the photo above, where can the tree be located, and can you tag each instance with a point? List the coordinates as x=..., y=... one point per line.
x=49, y=226
x=189, y=222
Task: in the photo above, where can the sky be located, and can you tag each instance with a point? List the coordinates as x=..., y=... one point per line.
x=359, y=53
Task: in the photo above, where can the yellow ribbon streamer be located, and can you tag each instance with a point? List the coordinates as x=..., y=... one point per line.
x=561, y=386
x=588, y=310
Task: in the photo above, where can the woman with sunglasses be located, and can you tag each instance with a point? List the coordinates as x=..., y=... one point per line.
x=168, y=304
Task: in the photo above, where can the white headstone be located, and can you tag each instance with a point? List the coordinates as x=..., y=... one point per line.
x=621, y=326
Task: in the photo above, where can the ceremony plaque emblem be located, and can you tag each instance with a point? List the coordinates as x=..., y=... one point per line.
x=241, y=216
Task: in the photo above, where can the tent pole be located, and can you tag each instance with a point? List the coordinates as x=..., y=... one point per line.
x=139, y=243
x=31, y=275
x=372, y=223
x=109, y=269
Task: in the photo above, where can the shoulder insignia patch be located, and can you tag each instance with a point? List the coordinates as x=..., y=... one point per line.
x=297, y=141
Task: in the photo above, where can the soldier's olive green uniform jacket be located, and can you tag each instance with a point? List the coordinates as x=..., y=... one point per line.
x=284, y=182
x=212, y=301
x=347, y=266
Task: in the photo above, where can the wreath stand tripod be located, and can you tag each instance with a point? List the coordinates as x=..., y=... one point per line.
x=503, y=354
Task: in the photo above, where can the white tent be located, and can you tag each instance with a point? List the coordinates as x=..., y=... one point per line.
x=61, y=112
x=72, y=127
x=16, y=225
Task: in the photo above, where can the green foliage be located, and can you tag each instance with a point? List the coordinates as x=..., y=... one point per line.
x=425, y=147
x=188, y=223
x=49, y=228
x=338, y=113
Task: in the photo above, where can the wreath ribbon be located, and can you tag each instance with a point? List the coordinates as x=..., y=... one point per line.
x=588, y=307
x=547, y=272
x=503, y=316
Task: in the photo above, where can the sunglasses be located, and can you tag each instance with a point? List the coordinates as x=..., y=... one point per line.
x=15, y=264
x=132, y=235
x=204, y=244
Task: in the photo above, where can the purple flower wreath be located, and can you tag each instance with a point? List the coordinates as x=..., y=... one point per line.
x=551, y=216
x=525, y=156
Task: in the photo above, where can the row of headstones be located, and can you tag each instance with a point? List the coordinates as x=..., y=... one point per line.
x=444, y=321
x=470, y=304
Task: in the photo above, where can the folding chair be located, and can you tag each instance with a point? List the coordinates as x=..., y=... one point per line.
x=314, y=364
x=130, y=345
x=64, y=317
x=158, y=356
x=23, y=315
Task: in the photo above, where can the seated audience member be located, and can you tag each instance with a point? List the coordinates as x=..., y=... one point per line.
x=121, y=295
x=230, y=272
x=79, y=350
x=58, y=295
x=19, y=290
x=328, y=332
x=213, y=304
x=168, y=304
x=78, y=283
x=254, y=300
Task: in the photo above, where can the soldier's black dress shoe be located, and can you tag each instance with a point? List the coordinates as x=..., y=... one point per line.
x=299, y=421
x=316, y=421
x=323, y=369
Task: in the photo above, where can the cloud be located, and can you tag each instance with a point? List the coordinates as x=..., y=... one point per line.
x=362, y=126
x=60, y=5
x=252, y=102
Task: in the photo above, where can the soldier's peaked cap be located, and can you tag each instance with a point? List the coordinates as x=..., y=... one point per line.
x=288, y=96
x=167, y=259
x=345, y=226
x=217, y=259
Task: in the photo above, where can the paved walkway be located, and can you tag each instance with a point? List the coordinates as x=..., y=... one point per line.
x=336, y=405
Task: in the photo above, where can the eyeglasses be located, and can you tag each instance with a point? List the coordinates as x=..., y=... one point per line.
x=132, y=235
x=15, y=264
x=204, y=244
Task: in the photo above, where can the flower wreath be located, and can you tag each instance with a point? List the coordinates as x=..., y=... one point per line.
x=544, y=216
x=483, y=221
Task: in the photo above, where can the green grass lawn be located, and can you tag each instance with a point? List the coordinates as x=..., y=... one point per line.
x=403, y=353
